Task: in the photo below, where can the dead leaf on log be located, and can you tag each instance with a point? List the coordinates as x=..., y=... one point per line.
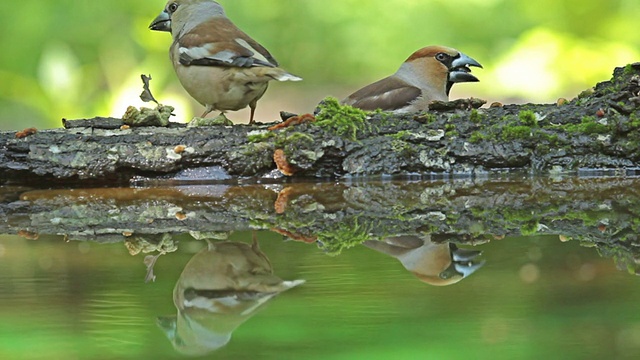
x=146, y=95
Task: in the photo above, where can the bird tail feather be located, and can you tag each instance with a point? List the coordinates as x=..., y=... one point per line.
x=281, y=75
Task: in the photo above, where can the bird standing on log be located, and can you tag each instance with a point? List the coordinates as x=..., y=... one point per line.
x=427, y=75
x=217, y=63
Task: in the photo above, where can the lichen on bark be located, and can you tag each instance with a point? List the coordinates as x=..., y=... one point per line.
x=598, y=131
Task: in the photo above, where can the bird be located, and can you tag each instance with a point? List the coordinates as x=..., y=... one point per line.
x=438, y=264
x=218, y=64
x=427, y=75
x=220, y=288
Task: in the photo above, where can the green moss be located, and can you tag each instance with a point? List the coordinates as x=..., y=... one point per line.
x=516, y=132
x=611, y=88
x=451, y=130
x=586, y=93
x=529, y=228
x=542, y=137
x=297, y=137
x=475, y=116
x=452, y=133
x=292, y=142
x=543, y=149
x=528, y=118
x=580, y=101
x=403, y=148
x=384, y=117
x=595, y=128
x=343, y=120
x=589, y=125
x=507, y=119
x=260, y=136
x=477, y=137
x=632, y=131
x=402, y=134
x=346, y=235
x=629, y=70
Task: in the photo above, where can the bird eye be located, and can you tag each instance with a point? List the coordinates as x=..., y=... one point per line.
x=173, y=7
x=442, y=56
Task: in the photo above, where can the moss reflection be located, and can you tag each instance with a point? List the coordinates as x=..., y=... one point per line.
x=337, y=216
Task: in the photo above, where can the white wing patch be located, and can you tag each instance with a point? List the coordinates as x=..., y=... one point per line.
x=256, y=54
x=199, y=52
x=206, y=52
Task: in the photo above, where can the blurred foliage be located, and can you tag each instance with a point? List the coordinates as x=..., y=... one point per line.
x=73, y=59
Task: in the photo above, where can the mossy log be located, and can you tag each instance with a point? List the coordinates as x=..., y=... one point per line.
x=597, y=212
x=598, y=130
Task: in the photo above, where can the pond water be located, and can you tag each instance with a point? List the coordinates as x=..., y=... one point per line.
x=256, y=281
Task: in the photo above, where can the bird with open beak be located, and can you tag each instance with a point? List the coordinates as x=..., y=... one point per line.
x=217, y=63
x=438, y=264
x=427, y=75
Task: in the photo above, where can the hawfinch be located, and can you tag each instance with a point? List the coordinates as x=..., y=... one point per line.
x=220, y=288
x=437, y=264
x=219, y=65
x=427, y=75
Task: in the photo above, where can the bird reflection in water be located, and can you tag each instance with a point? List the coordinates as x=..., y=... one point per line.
x=433, y=263
x=220, y=288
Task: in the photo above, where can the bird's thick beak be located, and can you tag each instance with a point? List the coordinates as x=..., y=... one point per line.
x=460, y=71
x=464, y=261
x=162, y=22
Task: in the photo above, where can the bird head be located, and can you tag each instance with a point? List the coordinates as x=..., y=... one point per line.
x=182, y=15
x=444, y=65
x=448, y=265
x=435, y=263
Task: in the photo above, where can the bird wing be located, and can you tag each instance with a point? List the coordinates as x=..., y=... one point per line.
x=218, y=42
x=387, y=94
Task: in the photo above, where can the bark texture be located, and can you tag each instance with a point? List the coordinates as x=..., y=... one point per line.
x=597, y=131
x=597, y=212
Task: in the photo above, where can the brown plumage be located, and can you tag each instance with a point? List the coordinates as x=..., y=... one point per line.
x=427, y=75
x=434, y=263
x=218, y=64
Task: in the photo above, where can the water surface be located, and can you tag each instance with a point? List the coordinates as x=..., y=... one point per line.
x=534, y=296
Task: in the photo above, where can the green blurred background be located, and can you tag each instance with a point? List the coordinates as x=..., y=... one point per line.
x=74, y=59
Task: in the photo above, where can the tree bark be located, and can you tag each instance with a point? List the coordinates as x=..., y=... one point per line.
x=597, y=131
x=598, y=212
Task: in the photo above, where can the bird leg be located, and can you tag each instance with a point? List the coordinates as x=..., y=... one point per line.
x=206, y=112
x=253, y=112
